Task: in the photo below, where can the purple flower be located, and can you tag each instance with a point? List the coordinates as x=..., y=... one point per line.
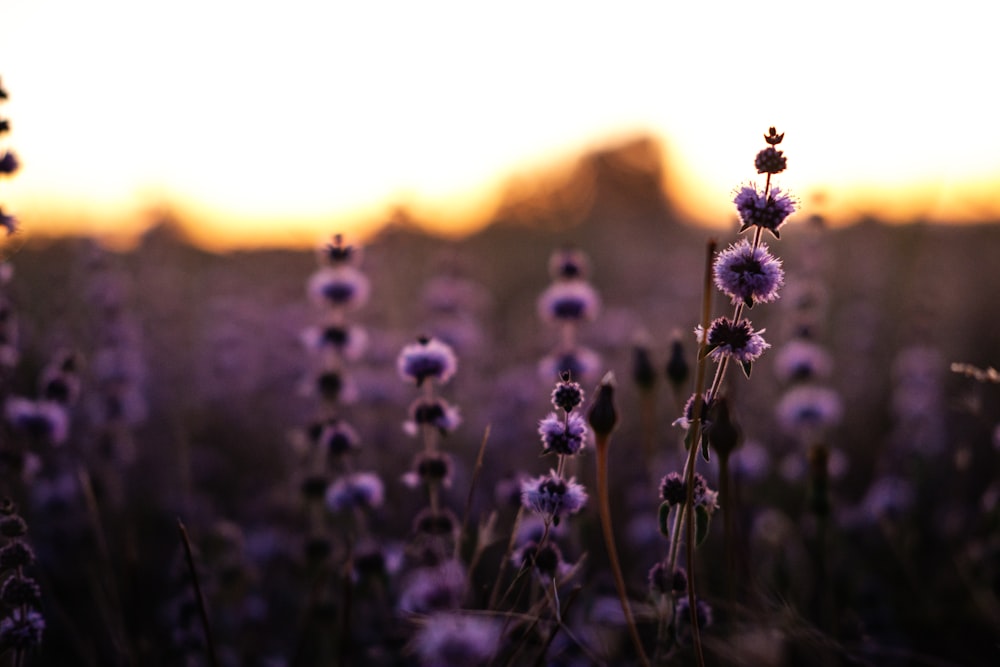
x=553, y=497
x=428, y=358
x=348, y=342
x=8, y=163
x=9, y=222
x=568, y=301
x=435, y=588
x=770, y=161
x=340, y=287
x=335, y=435
x=567, y=394
x=22, y=630
x=807, y=408
x=748, y=274
x=42, y=420
x=456, y=640
x=360, y=489
x=799, y=360
x=738, y=341
x=433, y=412
x=580, y=363
x=429, y=468
x=757, y=210
x=563, y=436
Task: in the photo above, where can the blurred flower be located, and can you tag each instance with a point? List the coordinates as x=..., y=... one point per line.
x=9, y=222
x=758, y=210
x=429, y=468
x=436, y=588
x=39, y=420
x=360, y=489
x=808, y=408
x=348, y=342
x=568, y=264
x=427, y=358
x=434, y=412
x=799, y=360
x=580, y=363
x=547, y=561
x=568, y=301
x=748, y=274
x=21, y=630
x=456, y=640
x=341, y=287
x=8, y=163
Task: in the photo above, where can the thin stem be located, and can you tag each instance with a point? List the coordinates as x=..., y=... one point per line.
x=604, y=509
x=199, y=597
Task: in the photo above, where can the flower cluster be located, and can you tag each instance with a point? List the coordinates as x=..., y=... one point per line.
x=8, y=165
x=567, y=302
x=22, y=624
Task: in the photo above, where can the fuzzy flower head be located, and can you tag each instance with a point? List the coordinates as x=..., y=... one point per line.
x=808, y=409
x=21, y=630
x=568, y=301
x=360, y=489
x=737, y=340
x=433, y=412
x=334, y=435
x=429, y=469
x=563, y=436
x=339, y=287
x=553, y=497
x=758, y=210
x=44, y=421
x=567, y=394
x=581, y=363
x=428, y=358
x=8, y=163
x=456, y=640
x=748, y=274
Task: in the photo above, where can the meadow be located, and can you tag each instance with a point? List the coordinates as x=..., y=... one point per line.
x=346, y=505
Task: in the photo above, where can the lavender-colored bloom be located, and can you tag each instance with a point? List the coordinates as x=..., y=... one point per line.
x=806, y=409
x=456, y=640
x=349, y=342
x=580, y=363
x=360, y=489
x=435, y=588
x=687, y=418
x=429, y=468
x=738, y=341
x=799, y=360
x=567, y=394
x=434, y=412
x=563, y=436
x=770, y=161
x=339, y=287
x=547, y=561
x=758, y=210
x=553, y=497
x=748, y=274
x=42, y=420
x=428, y=358
x=568, y=301
x=334, y=435
x=682, y=614
x=22, y=631
x=8, y=163
x=9, y=222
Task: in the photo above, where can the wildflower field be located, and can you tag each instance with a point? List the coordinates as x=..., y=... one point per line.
x=491, y=451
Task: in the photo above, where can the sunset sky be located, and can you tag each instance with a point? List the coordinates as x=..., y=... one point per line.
x=277, y=122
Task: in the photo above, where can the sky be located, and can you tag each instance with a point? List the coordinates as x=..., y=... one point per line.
x=275, y=122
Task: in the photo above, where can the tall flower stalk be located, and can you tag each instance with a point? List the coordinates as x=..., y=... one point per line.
x=748, y=274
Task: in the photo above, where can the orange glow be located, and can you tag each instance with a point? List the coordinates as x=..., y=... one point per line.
x=275, y=125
